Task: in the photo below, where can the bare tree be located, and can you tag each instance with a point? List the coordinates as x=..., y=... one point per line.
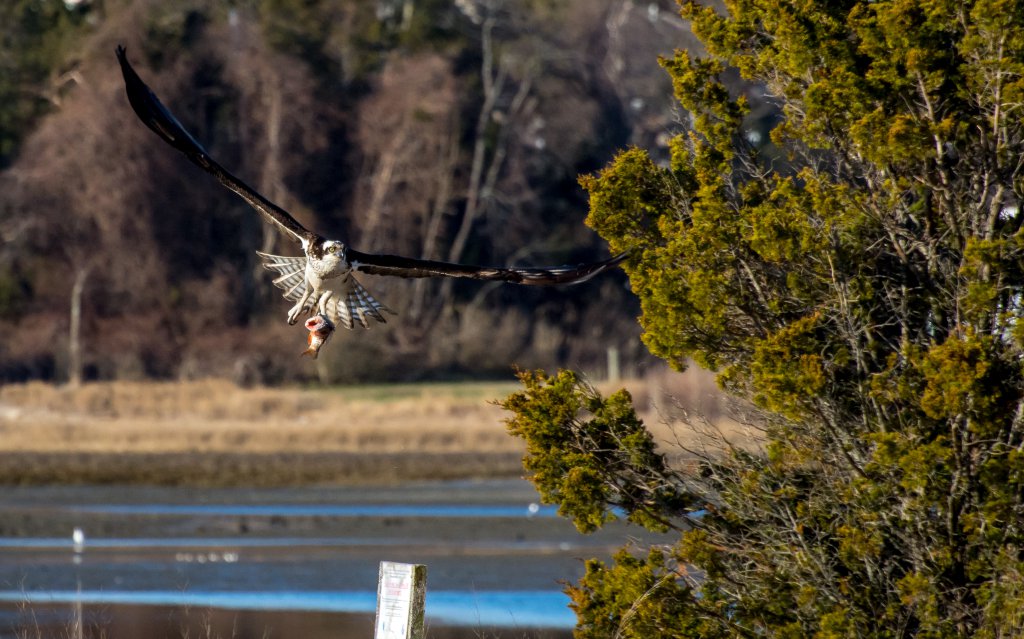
x=277, y=116
x=133, y=262
x=75, y=364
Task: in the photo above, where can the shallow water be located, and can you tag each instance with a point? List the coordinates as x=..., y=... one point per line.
x=495, y=558
x=513, y=511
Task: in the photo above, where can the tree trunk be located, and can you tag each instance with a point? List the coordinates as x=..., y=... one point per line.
x=75, y=336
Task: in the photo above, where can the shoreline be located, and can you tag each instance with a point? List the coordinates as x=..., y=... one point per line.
x=258, y=470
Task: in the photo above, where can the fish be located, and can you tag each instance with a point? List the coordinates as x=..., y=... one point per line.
x=320, y=329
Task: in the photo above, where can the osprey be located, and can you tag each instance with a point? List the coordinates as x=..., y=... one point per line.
x=323, y=279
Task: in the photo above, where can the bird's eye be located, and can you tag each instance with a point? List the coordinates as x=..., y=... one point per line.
x=332, y=249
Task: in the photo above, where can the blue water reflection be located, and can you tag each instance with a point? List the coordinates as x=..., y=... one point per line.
x=511, y=609
x=494, y=556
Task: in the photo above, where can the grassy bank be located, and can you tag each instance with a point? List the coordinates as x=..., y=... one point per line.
x=215, y=433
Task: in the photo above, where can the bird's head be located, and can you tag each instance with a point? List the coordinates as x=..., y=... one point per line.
x=330, y=251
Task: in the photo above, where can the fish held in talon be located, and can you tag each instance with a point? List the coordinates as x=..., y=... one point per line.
x=320, y=330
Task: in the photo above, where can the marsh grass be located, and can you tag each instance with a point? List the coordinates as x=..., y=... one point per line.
x=212, y=432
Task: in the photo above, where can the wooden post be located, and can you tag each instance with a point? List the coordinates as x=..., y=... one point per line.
x=401, y=592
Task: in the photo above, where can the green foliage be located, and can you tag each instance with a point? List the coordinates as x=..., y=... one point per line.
x=353, y=37
x=860, y=280
x=304, y=28
x=787, y=368
x=634, y=598
x=172, y=27
x=591, y=466
x=35, y=38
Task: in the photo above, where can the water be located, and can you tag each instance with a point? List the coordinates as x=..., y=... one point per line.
x=476, y=609
x=495, y=558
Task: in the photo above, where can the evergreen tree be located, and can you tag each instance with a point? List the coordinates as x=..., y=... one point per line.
x=35, y=36
x=860, y=278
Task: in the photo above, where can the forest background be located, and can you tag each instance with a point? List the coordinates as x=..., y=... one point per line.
x=448, y=130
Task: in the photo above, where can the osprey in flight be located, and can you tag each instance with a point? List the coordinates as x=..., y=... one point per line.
x=322, y=280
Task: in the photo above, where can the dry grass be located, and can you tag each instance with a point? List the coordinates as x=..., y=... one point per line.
x=214, y=416
x=294, y=435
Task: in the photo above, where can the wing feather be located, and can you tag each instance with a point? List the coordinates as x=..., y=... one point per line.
x=297, y=289
x=157, y=117
x=338, y=309
x=355, y=305
x=399, y=266
x=369, y=305
x=293, y=275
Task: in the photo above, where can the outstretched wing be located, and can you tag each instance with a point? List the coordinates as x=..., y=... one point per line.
x=156, y=116
x=532, y=276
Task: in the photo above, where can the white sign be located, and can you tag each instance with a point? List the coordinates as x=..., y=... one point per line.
x=400, y=594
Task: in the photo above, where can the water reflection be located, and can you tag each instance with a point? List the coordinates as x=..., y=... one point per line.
x=495, y=559
x=509, y=609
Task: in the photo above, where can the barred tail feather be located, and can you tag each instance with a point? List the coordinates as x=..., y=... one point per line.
x=354, y=304
x=367, y=305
